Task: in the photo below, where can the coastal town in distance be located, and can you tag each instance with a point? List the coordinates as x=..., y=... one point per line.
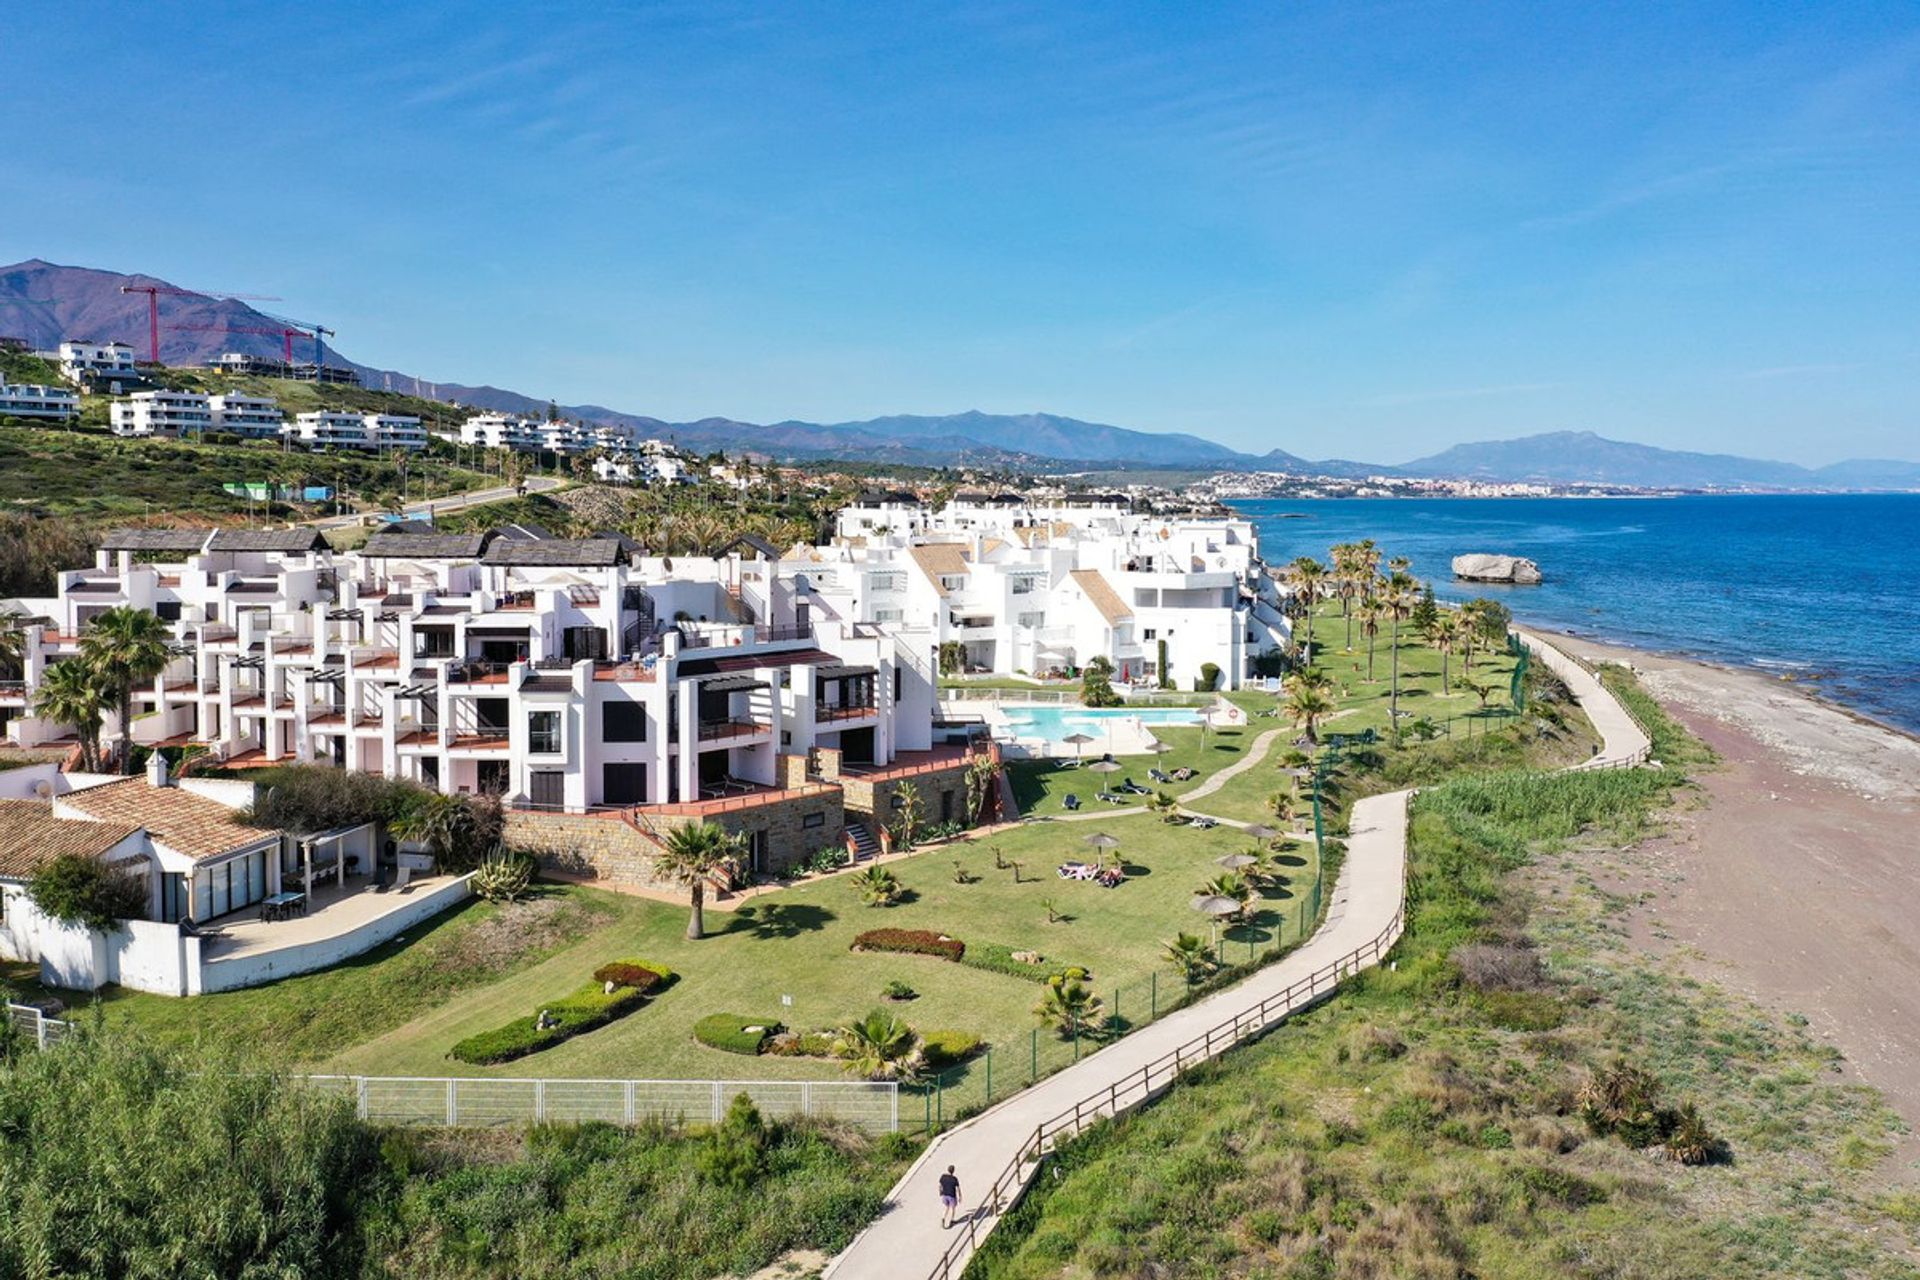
x=1028, y=643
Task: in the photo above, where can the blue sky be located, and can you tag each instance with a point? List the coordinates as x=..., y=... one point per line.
x=1341, y=229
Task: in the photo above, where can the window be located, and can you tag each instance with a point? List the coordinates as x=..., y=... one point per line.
x=167, y=610
x=543, y=733
x=889, y=615
x=1030, y=620
x=1147, y=634
x=812, y=820
x=1024, y=586
x=623, y=722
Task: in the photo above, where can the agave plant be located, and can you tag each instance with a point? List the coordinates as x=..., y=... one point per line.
x=1071, y=1008
x=879, y=1047
x=877, y=886
x=505, y=876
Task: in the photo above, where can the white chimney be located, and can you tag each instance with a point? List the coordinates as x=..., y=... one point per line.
x=157, y=771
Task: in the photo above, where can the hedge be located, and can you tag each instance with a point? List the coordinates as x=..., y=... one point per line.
x=995, y=958
x=589, y=1007
x=913, y=942
x=944, y=1048
x=641, y=975
x=730, y=1033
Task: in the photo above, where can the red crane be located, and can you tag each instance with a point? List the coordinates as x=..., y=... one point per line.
x=286, y=335
x=153, y=292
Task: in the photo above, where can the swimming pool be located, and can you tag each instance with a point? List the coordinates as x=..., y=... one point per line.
x=1055, y=724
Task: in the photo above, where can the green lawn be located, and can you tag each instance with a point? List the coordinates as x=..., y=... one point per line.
x=305, y=1018
x=1041, y=786
x=795, y=942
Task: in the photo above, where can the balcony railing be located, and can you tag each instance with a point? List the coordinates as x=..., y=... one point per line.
x=824, y=712
x=697, y=635
x=716, y=730
x=13, y=688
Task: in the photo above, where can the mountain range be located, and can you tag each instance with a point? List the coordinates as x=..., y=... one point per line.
x=45, y=303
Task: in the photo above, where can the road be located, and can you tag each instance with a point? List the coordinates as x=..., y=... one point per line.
x=451, y=502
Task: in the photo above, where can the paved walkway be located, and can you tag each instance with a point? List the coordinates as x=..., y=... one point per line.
x=906, y=1242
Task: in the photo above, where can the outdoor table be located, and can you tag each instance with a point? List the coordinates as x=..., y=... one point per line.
x=279, y=906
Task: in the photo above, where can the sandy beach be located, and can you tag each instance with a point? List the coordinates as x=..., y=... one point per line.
x=1797, y=881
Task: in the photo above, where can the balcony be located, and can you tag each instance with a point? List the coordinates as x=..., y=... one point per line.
x=13, y=690
x=710, y=635
x=827, y=713
x=725, y=730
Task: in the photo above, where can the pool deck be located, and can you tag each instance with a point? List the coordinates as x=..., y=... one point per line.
x=1121, y=731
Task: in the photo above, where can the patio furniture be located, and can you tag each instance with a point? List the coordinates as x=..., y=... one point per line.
x=282, y=906
x=1160, y=776
x=402, y=880
x=1206, y=824
x=1132, y=788
x=1112, y=797
x=1072, y=802
x=1184, y=774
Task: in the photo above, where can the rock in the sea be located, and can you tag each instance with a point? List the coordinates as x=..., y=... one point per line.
x=1487, y=568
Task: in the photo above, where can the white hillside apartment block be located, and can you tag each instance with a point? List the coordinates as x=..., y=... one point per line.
x=256, y=417
x=502, y=431
x=85, y=361
x=578, y=681
x=45, y=404
x=162, y=413
x=331, y=429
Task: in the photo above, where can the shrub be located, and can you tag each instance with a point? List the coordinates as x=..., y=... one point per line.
x=1209, y=677
x=731, y=1033
x=827, y=858
x=504, y=877
x=801, y=1044
x=641, y=975
x=898, y=990
x=86, y=892
x=915, y=942
x=876, y=886
x=995, y=958
x=589, y=1007
x=735, y=1152
x=944, y=1048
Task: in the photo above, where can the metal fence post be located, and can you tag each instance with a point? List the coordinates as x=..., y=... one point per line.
x=453, y=1104
x=1033, y=1069
x=539, y=1100
x=1153, y=995
x=806, y=1097
x=940, y=1098
x=716, y=1102
x=40, y=1028
x=629, y=1100
x=360, y=1100
x=989, y=1075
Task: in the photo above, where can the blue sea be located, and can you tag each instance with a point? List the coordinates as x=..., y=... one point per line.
x=1826, y=588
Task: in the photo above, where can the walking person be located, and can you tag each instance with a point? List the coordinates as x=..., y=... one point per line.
x=949, y=1197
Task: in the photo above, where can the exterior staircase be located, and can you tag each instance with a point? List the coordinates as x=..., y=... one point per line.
x=863, y=842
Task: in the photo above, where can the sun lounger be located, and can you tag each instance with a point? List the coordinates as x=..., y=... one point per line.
x=1132, y=788
x=1064, y=763
x=1183, y=774
x=1112, y=797
x=1159, y=775
x=1072, y=802
x=1206, y=824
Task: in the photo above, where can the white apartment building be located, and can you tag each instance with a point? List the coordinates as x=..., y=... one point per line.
x=1043, y=587
x=395, y=431
x=257, y=417
x=331, y=429
x=566, y=676
x=503, y=431
x=81, y=361
x=30, y=400
x=162, y=413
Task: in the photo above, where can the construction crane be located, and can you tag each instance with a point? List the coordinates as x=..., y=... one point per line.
x=153, y=292
x=303, y=329
x=286, y=334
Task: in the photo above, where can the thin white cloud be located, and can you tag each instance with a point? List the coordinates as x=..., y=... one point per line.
x=1801, y=370
x=1399, y=398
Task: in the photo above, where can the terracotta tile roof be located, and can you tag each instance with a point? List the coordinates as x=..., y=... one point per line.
x=1029, y=534
x=936, y=559
x=188, y=824
x=1101, y=592
x=31, y=835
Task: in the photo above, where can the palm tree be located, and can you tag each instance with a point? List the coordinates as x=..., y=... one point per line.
x=1071, y=1008
x=692, y=855
x=1399, y=597
x=126, y=647
x=439, y=821
x=1229, y=884
x=13, y=642
x=1307, y=574
x=877, y=886
x=1306, y=704
x=70, y=694
x=1189, y=953
x=879, y=1047
x=1281, y=802
x=1370, y=612
x=1446, y=634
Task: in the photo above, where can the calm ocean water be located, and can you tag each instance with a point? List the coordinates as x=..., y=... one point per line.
x=1826, y=587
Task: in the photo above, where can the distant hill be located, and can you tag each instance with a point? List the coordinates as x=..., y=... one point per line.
x=44, y=303
x=1582, y=456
